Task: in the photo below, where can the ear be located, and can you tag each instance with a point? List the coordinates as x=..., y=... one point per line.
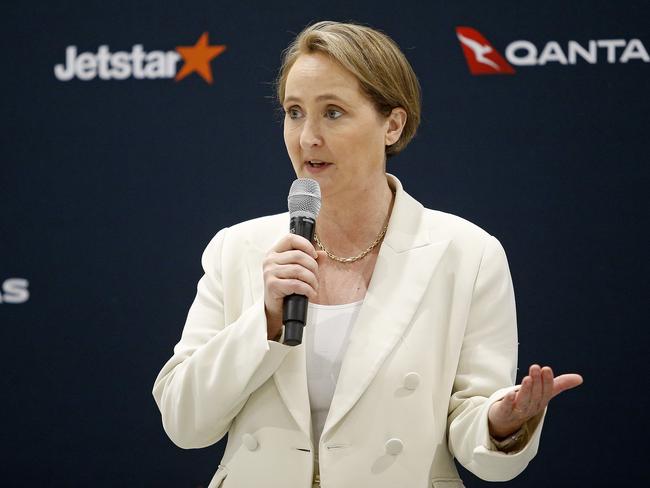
x=396, y=122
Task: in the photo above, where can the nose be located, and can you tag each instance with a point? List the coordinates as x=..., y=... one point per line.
x=310, y=136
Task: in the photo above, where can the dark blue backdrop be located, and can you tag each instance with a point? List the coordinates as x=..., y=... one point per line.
x=110, y=190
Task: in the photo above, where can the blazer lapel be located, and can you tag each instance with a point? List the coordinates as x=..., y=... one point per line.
x=406, y=261
x=291, y=377
x=291, y=381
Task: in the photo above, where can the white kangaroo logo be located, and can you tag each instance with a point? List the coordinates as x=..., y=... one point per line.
x=480, y=50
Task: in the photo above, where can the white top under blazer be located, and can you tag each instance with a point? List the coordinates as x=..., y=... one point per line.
x=326, y=337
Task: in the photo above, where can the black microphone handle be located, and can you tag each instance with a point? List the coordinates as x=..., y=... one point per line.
x=294, y=310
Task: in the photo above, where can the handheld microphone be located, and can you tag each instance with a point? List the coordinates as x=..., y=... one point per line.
x=304, y=205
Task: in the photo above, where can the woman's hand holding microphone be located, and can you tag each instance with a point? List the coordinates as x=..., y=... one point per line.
x=291, y=266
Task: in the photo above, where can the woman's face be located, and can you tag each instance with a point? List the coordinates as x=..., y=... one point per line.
x=332, y=131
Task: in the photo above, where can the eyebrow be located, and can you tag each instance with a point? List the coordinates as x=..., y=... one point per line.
x=319, y=98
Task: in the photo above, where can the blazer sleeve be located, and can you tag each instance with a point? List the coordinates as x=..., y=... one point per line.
x=486, y=372
x=215, y=366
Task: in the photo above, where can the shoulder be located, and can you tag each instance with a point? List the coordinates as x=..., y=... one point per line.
x=260, y=233
x=412, y=218
x=465, y=238
x=260, y=227
x=452, y=225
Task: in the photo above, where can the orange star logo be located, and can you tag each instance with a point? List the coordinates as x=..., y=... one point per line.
x=197, y=58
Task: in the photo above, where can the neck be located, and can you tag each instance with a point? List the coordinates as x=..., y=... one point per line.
x=350, y=221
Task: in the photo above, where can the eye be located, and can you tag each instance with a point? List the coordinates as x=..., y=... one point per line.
x=333, y=113
x=293, y=112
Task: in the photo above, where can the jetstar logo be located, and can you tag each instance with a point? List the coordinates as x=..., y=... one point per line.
x=138, y=63
x=483, y=59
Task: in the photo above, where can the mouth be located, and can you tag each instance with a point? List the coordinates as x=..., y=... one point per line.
x=316, y=163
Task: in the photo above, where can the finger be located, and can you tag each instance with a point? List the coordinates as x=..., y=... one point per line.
x=522, y=401
x=296, y=257
x=294, y=241
x=289, y=287
x=566, y=382
x=295, y=271
x=536, y=390
x=547, y=385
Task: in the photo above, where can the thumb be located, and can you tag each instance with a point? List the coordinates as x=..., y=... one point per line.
x=566, y=382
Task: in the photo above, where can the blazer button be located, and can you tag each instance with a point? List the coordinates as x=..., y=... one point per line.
x=394, y=446
x=250, y=442
x=411, y=381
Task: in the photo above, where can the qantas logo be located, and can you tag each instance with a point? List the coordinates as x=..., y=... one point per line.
x=483, y=59
x=139, y=64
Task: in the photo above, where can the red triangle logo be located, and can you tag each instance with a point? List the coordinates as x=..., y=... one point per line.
x=481, y=57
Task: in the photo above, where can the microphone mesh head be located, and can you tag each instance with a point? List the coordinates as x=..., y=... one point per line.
x=304, y=198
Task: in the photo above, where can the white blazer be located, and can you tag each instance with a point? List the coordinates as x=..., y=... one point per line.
x=434, y=345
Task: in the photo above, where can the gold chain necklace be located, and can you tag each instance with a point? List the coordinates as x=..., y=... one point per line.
x=352, y=259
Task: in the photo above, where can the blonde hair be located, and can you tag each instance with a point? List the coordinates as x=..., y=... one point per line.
x=383, y=71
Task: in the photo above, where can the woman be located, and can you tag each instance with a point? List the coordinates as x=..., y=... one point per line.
x=409, y=355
